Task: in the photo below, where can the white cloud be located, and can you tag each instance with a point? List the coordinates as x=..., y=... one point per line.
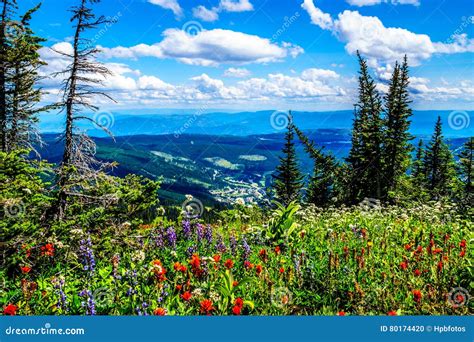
x=235, y=6
x=237, y=72
x=380, y=44
x=172, y=5
x=360, y=3
x=205, y=14
x=209, y=48
x=212, y=14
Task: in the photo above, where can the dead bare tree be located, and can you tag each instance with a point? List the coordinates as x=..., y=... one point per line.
x=83, y=78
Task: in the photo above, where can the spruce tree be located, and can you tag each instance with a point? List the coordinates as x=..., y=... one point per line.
x=466, y=168
x=396, y=139
x=365, y=158
x=438, y=165
x=321, y=182
x=7, y=10
x=23, y=93
x=288, y=180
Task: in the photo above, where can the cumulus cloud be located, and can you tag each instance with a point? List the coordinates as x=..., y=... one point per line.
x=172, y=5
x=237, y=72
x=381, y=44
x=209, y=48
x=212, y=14
x=361, y=3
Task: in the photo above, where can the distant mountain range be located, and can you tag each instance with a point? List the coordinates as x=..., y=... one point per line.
x=247, y=123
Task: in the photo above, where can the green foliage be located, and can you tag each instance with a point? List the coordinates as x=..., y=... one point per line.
x=288, y=179
x=282, y=223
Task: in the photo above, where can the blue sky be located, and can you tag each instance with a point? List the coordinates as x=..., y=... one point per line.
x=260, y=54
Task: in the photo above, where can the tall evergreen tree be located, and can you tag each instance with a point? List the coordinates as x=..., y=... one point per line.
x=84, y=76
x=288, y=180
x=23, y=94
x=438, y=164
x=321, y=182
x=466, y=168
x=417, y=172
x=365, y=158
x=396, y=139
x=7, y=10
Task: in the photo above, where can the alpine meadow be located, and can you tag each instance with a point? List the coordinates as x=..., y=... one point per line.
x=303, y=158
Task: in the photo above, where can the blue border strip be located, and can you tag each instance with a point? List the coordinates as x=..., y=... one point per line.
x=256, y=328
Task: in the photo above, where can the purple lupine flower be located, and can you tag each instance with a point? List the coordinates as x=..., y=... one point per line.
x=190, y=251
x=187, y=229
x=159, y=238
x=208, y=234
x=199, y=232
x=220, y=245
x=233, y=245
x=246, y=249
x=62, y=301
x=171, y=237
x=86, y=255
x=88, y=302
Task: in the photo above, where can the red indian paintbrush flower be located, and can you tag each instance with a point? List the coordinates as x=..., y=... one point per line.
x=417, y=295
x=277, y=249
x=239, y=302
x=417, y=272
x=186, y=296
x=392, y=313
x=258, y=269
x=440, y=266
x=160, y=312
x=236, y=310
x=206, y=307
x=229, y=263
x=10, y=310
x=25, y=269
x=217, y=258
x=195, y=262
x=282, y=270
x=341, y=313
x=462, y=244
x=403, y=265
x=47, y=249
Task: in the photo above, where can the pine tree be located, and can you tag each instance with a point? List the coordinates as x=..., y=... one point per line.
x=396, y=140
x=83, y=77
x=466, y=168
x=321, y=182
x=7, y=10
x=438, y=164
x=365, y=158
x=23, y=94
x=288, y=180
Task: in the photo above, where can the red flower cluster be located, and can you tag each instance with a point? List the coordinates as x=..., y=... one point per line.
x=186, y=296
x=229, y=264
x=217, y=258
x=341, y=313
x=263, y=255
x=179, y=267
x=277, y=250
x=195, y=263
x=417, y=296
x=160, y=312
x=282, y=270
x=10, y=310
x=238, y=305
x=159, y=270
x=206, y=307
x=258, y=269
x=25, y=269
x=47, y=249
x=392, y=313
x=417, y=272
x=404, y=265
x=462, y=244
x=248, y=265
